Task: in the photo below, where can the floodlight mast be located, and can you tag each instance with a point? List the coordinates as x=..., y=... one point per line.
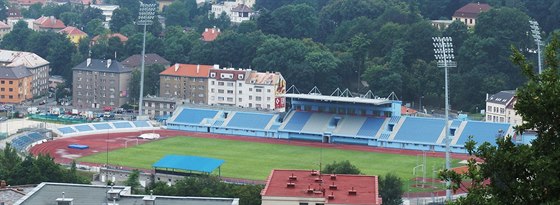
x=443, y=48
x=145, y=17
x=536, y=31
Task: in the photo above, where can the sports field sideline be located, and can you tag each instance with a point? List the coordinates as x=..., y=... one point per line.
x=253, y=160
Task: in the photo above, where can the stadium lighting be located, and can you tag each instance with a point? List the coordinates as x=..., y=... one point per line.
x=145, y=18
x=537, y=36
x=443, y=49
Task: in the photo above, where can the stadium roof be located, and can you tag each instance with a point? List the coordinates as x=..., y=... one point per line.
x=189, y=163
x=375, y=101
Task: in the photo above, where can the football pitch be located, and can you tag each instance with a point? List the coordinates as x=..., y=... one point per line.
x=253, y=160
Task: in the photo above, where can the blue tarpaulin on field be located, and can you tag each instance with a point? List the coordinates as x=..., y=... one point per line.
x=188, y=163
x=78, y=146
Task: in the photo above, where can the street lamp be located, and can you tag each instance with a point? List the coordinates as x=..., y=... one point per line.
x=537, y=36
x=443, y=48
x=145, y=18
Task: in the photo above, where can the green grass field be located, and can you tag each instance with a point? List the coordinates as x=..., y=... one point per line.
x=251, y=160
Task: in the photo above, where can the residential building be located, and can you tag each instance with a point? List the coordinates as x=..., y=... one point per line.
x=469, y=13
x=237, y=11
x=226, y=86
x=441, y=24
x=74, y=34
x=500, y=108
x=160, y=106
x=38, y=66
x=185, y=82
x=210, y=34
x=4, y=29
x=135, y=61
x=13, y=13
x=100, y=83
x=107, y=11
x=263, y=90
x=14, y=21
x=121, y=37
x=48, y=23
x=163, y=4
x=309, y=187
x=15, y=84
x=67, y=194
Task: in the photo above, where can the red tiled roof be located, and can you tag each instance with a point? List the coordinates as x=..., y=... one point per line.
x=187, y=70
x=72, y=31
x=210, y=34
x=49, y=22
x=27, y=2
x=471, y=10
x=407, y=111
x=4, y=25
x=302, y=184
x=118, y=35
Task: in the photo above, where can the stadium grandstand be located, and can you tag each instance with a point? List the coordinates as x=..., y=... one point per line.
x=102, y=127
x=22, y=141
x=341, y=118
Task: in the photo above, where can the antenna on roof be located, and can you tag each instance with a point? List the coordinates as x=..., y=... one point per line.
x=393, y=96
x=294, y=90
x=315, y=91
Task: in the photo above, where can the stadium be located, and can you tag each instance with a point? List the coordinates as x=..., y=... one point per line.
x=316, y=129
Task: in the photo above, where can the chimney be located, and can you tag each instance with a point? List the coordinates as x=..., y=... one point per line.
x=213, y=30
x=486, y=96
x=114, y=194
x=197, y=68
x=88, y=62
x=64, y=200
x=176, y=67
x=216, y=66
x=150, y=200
x=206, y=30
x=108, y=63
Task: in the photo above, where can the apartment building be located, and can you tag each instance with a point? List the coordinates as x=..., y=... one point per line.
x=100, y=83
x=246, y=88
x=186, y=82
x=500, y=108
x=38, y=66
x=15, y=84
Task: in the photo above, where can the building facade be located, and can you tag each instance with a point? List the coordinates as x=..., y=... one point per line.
x=15, y=84
x=160, y=106
x=500, y=108
x=38, y=66
x=107, y=11
x=246, y=88
x=100, y=83
x=469, y=13
x=185, y=82
x=74, y=34
x=48, y=23
x=237, y=11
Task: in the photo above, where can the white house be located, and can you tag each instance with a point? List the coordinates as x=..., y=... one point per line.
x=500, y=108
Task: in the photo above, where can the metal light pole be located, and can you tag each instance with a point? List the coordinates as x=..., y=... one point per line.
x=537, y=36
x=145, y=18
x=443, y=48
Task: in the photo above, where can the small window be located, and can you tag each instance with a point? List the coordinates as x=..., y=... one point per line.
x=240, y=76
x=212, y=75
x=3, y=82
x=11, y=82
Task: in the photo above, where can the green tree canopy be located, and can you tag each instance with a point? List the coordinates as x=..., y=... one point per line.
x=342, y=167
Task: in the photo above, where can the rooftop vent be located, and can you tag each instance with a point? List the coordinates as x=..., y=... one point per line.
x=309, y=189
x=314, y=173
x=332, y=186
x=352, y=192
x=64, y=200
x=109, y=63
x=292, y=177
x=318, y=180
x=150, y=200
x=88, y=62
x=291, y=185
x=113, y=194
x=333, y=176
x=331, y=196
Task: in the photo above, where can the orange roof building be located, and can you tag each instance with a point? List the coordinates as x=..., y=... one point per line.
x=308, y=186
x=186, y=82
x=74, y=34
x=210, y=34
x=48, y=23
x=121, y=37
x=469, y=13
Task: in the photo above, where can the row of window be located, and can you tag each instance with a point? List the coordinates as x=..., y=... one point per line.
x=11, y=82
x=496, y=109
x=9, y=96
x=94, y=73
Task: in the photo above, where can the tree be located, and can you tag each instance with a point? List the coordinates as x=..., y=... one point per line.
x=121, y=17
x=520, y=174
x=17, y=38
x=89, y=14
x=291, y=21
x=95, y=27
x=343, y=167
x=70, y=18
x=390, y=189
x=151, y=81
x=34, y=11
x=133, y=181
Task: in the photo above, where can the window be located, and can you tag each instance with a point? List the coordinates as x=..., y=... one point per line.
x=230, y=91
x=240, y=100
x=250, y=97
x=268, y=98
x=250, y=89
x=240, y=76
x=212, y=82
x=230, y=84
x=240, y=84
x=220, y=98
x=2, y=82
x=220, y=91
x=11, y=97
x=11, y=82
x=258, y=98
x=2, y=89
x=268, y=90
x=221, y=83
x=303, y=203
x=240, y=92
x=489, y=108
x=2, y=96
x=258, y=90
x=230, y=99
x=212, y=90
x=212, y=75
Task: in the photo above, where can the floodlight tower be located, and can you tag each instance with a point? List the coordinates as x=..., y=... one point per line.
x=145, y=18
x=537, y=36
x=443, y=48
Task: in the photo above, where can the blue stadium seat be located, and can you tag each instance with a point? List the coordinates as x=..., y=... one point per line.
x=298, y=120
x=194, y=116
x=456, y=123
x=371, y=126
x=218, y=123
x=122, y=125
x=66, y=130
x=83, y=128
x=250, y=120
x=426, y=130
x=102, y=126
x=482, y=132
x=141, y=124
x=274, y=127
